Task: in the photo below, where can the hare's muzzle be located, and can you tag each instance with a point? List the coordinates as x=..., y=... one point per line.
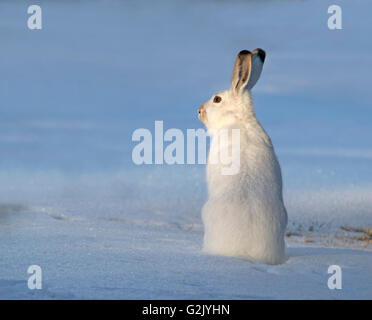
x=201, y=113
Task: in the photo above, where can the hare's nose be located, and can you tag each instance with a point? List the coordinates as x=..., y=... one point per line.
x=201, y=113
x=201, y=109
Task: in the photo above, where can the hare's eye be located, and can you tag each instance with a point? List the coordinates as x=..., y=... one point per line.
x=217, y=99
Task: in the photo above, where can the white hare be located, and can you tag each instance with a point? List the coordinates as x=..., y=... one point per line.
x=245, y=215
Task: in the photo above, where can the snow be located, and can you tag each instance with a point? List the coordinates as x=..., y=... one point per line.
x=71, y=199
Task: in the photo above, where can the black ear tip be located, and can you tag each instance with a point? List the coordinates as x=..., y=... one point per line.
x=244, y=53
x=261, y=53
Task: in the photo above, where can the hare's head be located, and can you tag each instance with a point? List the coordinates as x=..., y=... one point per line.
x=234, y=105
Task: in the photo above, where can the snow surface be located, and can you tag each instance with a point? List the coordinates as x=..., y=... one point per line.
x=71, y=94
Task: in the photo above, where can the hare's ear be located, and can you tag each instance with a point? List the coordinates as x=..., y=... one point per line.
x=247, y=69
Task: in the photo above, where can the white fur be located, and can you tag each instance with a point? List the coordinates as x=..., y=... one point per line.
x=245, y=215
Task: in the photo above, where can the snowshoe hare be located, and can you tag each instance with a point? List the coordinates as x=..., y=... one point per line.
x=244, y=215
